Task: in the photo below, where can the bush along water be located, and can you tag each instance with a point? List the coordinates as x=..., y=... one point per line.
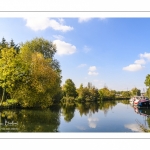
x=10, y=103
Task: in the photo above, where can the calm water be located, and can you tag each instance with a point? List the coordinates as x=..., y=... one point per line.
x=109, y=116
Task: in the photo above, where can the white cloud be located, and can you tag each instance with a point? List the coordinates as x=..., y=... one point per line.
x=80, y=20
x=92, y=68
x=86, y=49
x=138, y=64
x=44, y=23
x=145, y=55
x=58, y=37
x=64, y=48
x=92, y=71
x=133, y=67
x=61, y=20
x=82, y=65
x=140, y=61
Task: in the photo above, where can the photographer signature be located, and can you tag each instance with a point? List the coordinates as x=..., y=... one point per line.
x=10, y=123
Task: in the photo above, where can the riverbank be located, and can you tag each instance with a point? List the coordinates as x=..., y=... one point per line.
x=18, y=106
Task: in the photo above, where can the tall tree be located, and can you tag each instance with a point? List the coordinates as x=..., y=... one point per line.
x=147, y=80
x=42, y=84
x=10, y=70
x=147, y=83
x=136, y=92
x=11, y=44
x=29, y=76
x=46, y=48
x=105, y=93
x=3, y=43
x=69, y=88
x=80, y=92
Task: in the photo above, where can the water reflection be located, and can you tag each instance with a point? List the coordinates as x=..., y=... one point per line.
x=102, y=116
x=93, y=122
x=142, y=111
x=106, y=105
x=82, y=128
x=68, y=110
x=145, y=112
x=30, y=120
x=86, y=108
x=133, y=127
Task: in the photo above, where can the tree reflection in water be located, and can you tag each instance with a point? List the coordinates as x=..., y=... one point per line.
x=46, y=120
x=68, y=110
x=86, y=108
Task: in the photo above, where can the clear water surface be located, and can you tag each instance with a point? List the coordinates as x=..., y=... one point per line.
x=108, y=116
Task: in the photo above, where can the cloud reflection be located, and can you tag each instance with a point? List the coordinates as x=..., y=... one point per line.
x=92, y=122
x=133, y=127
x=81, y=128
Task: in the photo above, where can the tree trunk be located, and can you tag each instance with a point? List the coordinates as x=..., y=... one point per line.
x=3, y=96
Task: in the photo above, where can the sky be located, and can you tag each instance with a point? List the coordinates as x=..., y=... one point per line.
x=112, y=52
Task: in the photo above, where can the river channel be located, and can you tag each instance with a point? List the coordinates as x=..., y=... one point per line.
x=108, y=116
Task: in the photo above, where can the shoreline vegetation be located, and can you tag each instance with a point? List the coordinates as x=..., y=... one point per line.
x=30, y=77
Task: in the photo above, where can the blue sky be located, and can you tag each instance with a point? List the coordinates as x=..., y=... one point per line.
x=105, y=51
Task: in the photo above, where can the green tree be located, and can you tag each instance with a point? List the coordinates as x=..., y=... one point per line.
x=10, y=70
x=105, y=93
x=42, y=84
x=148, y=93
x=80, y=92
x=89, y=93
x=69, y=88
x=11, y=44
x=147, y=81
x=29, y=76
x=135, y=92
x=46, y=48
x=3, y=44
x=6, y=46
x=126, y=94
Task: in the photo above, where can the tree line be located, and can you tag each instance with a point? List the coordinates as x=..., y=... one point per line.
x=30, y=76
x=91, y=93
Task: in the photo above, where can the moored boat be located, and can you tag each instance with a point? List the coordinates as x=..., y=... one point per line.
x=136, y=99
x=144, y=103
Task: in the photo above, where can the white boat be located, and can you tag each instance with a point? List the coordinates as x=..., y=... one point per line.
x=132, y=99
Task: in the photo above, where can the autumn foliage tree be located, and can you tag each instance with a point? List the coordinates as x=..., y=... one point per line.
x=69, y=88
x=10, y=71
x=105, y=93
x=88, y=93
x=32, y=76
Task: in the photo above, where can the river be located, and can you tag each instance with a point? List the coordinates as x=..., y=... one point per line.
x=108, y=116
